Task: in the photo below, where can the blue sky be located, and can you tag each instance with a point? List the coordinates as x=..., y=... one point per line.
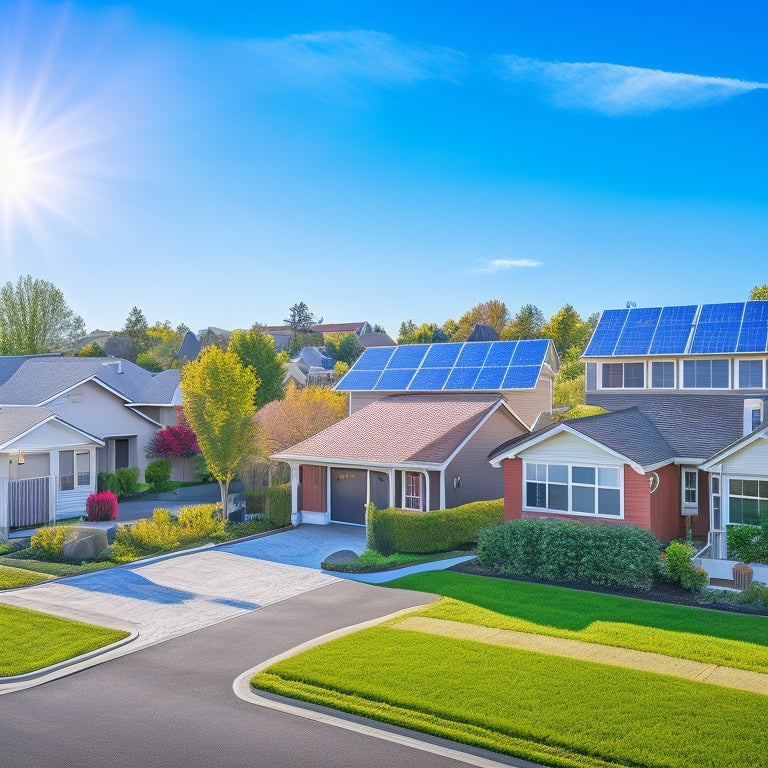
x=383, y=161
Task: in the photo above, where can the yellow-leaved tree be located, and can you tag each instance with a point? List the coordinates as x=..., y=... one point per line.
x=218, y=394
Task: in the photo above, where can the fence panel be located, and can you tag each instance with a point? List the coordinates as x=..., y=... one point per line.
x=28, y=502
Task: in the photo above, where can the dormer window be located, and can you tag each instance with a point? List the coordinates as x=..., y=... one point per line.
x=753, y=414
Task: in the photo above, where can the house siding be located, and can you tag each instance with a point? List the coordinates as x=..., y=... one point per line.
x=314, y=497
x=752, y=460
x=665, y=503
x=528, y=404
x=479, y=480
x=513, y=489
x=434, y=490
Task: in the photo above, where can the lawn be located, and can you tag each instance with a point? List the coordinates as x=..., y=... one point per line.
x=553, y=710
x=32, y=640
x=10, y=578
x=713, y=637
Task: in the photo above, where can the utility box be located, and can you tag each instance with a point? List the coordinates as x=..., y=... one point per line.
x=742, y=576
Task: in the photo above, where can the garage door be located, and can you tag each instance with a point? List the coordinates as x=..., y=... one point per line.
x=348, y=495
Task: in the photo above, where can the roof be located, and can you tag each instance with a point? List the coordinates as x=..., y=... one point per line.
x=400, y=429
x=339, y=327
x=760, y=432
x=314, y=357
x=17, y=421
x=482, y=332
x=629, y=433
x=376, y=339
x=39, y=379
x=190, y=347
x=9, y=364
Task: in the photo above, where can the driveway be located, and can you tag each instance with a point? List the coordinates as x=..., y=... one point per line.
x=181, y=593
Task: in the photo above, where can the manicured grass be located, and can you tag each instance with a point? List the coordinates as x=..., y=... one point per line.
x=32, y=640
x=10, y=578
x=549, y=709
x=53, y=569
x=371, y=561
x=713, y=637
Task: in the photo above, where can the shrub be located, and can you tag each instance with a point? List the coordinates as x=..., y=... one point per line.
x=396, y=530
x=107, y=482
x=127, y=481
x=200, y=521
x=559, y=550
x=101, y=506
x=748, y=543
x=147, y=537
x=158, y=472
x=680, y=568
x=274, y=501
x=47, y=543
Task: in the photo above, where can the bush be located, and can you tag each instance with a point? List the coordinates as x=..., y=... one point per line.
x=128, y=481
x=147, y=537
x=748, y=543
x=680, y=568
x=47, y=543
x=396, y=530
x=101, y=506
x=105, y=481
x=202, y=473
x=564, y=551
x=158, y=472
x=274, y=501
x=200, y=521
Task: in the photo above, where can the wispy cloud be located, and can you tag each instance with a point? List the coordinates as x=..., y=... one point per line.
x=500, y=265
x=356, y=56
x=615, y=89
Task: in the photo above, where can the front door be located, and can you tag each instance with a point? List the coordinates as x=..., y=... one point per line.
x=122, y=454
x=348, y=495
x=380, y=490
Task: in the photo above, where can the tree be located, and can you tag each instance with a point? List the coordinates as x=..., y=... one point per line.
x=180, y=440
x=526, y=324
x=35, y=318
x=92, y=350
x=567, y=329
x=135, y=329
x=426, y=333
x=343, y=346
x=493, y=313
x=300, y=318
x=218, y=394
x=759, y=293
x=407, y=328
x=257, y=350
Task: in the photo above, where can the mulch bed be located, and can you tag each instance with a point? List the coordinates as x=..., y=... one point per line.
x=660, y=593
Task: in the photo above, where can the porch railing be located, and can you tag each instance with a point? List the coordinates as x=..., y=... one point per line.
x=716, y=547
x=29, y=502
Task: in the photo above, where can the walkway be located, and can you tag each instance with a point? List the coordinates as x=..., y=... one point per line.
x=728, y=677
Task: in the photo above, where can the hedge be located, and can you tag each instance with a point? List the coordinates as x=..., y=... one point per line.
x=274, y=501
x=748, y=543
x=422, y=533
x=563, y=551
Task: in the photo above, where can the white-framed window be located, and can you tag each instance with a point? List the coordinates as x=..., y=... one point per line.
x=750, y=374
x=412, y=496
x=747, y=500
x=573, y=488
x=74, y=470
x=690, y=487
x=706, y=374
x=663, y=374
x=623, y=375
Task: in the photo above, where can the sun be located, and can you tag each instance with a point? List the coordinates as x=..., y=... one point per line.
x=17, y=171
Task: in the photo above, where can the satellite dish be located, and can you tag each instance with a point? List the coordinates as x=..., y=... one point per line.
x=653, y=481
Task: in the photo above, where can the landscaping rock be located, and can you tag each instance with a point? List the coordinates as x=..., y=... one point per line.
x=342, y=556
x=84, y=543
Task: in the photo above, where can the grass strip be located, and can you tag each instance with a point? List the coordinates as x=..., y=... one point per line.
x=11, y=578
x=521, y=701
x=31, y=640
x=54, y=569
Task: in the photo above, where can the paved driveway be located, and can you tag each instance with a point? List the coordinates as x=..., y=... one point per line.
x=182, y=593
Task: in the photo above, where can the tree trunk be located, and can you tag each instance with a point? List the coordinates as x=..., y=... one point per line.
x=224, y=486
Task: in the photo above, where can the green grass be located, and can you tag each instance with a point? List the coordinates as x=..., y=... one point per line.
x=712, y=637
x=32, y=640
x=371, y=561
x=558, y=711
x=52, y=569
x=10, y=578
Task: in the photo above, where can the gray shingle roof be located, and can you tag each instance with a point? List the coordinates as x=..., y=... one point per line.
x=38, y=379
x=17, y=421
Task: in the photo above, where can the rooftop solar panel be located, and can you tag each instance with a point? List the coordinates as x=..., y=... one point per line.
x=490, y=377
x=673, y=330
x=638, y=331
x=462, y=378
x=754, y=328
x=429, y=379
x=521, y=377
x=717, y=329
x=395, y=379
x=530, y=352
x=360, y=380
x=408, y=356
x=374, y=358
x=442, y=356
x=473, y=354
x=607, y=333
x=500, y=353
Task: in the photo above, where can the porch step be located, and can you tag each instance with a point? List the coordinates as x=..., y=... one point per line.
x=722, y=583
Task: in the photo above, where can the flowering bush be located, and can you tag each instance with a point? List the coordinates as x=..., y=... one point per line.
x=174, y=441
x=101, y=506
x=48, y=543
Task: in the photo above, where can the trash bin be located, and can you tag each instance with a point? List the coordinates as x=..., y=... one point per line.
x=742, y=576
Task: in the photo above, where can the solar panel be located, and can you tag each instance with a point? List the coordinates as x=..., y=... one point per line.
x=638, y=330
x=473, y=354
x=374, y=358
x=442, y=356
x=530, y=352
x=430, y=379
x=754, y=328
x=490, y=378
x=717, y=329
x=673, y=330
x=462, y=378
x=500, y=354
x=408, y=356
x=521, y=377
x=607, y=333
x=361, y=380
x=395, y=379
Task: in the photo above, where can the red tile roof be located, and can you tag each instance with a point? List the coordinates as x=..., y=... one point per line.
x=400, y=428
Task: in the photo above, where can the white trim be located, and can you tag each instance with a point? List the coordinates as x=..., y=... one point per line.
x=65, y=424
x=735, y=447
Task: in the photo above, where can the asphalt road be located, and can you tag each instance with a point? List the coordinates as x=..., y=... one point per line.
x=172, y=705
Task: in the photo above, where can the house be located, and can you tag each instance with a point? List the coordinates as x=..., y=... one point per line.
x=46, y=466
x=116, y=404
x=422, y=420
x=682, y=447
x=282, y=333
x=376, y=339
x=311, y=366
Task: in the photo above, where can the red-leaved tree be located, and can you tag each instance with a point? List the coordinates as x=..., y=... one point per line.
x=174, y=441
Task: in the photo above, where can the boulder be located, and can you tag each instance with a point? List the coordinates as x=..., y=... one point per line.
x=342, y=556
x=84, y=543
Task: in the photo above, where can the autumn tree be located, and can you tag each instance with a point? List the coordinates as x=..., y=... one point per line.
x=426, y=333
x=179, y=440
x=493, y=313
x=344, y=347
x=218, y=394
x=567, y=329
x=257, y=350
x=528, y=323
x=35, y=318
x=92, y=350
x=759, y=293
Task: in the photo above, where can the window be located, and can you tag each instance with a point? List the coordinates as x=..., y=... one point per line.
x=705, y=374
x=717, y=504
x=83, y=466
x=690, y=487
x=663, y=375
x=591, y=382
x=74, y=470
x=413, y=481
x=623, y=375
x=750, y=374
x=747, y=501
x=580, y=489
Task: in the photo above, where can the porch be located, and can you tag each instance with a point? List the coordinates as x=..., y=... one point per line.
x=713, y=558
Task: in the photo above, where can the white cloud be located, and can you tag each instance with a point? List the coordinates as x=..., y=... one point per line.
x=615, y=89
x=356, y=56
x=499, y=265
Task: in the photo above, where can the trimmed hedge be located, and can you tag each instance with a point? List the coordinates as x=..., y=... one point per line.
x=274, y=501
x=158, y=472
x=422, y=533
x=124, y=482
x=748, y=543
x=559, y=550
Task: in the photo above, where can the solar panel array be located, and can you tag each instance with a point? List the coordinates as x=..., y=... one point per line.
x=476, y=366
x=704, y=330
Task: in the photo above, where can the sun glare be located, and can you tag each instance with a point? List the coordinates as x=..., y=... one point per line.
x=16, y=172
